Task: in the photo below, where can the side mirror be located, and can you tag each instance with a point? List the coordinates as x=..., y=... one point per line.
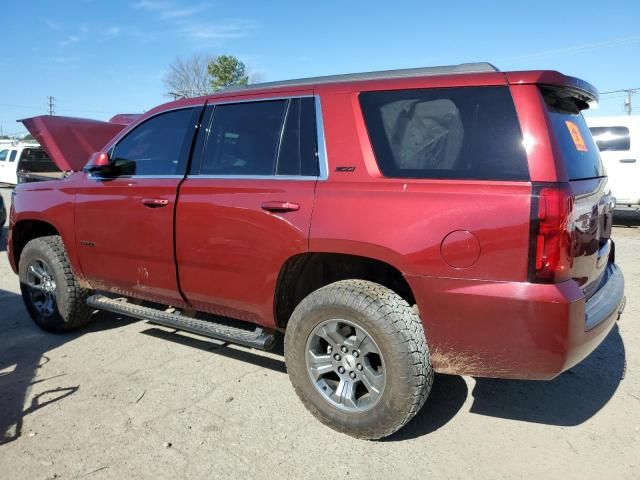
x=98, y=164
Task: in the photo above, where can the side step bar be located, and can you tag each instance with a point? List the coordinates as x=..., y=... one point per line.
x=257, y=338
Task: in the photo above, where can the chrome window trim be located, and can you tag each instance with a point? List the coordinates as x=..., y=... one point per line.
x=226, y=101
x=94, y=177
x=253, y=177
x=323, y=162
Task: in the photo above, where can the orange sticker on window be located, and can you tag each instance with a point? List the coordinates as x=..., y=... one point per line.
x=576, y=136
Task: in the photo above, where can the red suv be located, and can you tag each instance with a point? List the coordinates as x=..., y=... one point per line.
x=390, y=224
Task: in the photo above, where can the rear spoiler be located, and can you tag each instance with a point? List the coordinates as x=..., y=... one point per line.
x=70, y=141
x=578, y=88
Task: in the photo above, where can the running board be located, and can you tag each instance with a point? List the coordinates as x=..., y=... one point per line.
x=257, y=338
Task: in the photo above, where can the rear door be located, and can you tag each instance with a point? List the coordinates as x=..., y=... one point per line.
x=592, y=212
x=124, y=224
x=246, y=206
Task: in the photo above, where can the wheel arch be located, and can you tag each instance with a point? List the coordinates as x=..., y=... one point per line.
x=304, y=273
x=26, y=230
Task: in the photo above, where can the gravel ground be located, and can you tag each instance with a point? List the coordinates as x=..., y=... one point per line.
x=126, y=399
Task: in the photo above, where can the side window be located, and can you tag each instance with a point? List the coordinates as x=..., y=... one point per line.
x=157, y=146
x=611, y=138
x=244, y=138
x=12, y=157
x=454, y=133
x=298, y=149
x=3, y=155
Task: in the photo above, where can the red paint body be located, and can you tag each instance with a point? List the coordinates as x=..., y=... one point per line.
x=481, y=314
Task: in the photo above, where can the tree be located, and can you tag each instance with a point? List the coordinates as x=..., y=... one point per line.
x=227, y=71
x=28, y=138
x=189, y=77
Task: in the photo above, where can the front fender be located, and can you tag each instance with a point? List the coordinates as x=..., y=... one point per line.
x=39, y=209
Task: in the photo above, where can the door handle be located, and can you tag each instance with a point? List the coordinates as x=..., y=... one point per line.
x=155, y=202
x=628, y=160
x=280, y=206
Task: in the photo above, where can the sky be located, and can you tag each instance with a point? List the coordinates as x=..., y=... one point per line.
x=102, y=57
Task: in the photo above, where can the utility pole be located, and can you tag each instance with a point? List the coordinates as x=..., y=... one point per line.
x=630, y=92
x=51, y=105
x=627, y=101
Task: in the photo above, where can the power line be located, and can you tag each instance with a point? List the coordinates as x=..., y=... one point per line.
x=628, y=97
x=622, y=90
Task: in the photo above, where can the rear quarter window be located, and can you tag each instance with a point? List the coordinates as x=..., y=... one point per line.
x=578, y=150
x=448, y=133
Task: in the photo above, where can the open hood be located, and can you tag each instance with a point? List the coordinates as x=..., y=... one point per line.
x=70, y=141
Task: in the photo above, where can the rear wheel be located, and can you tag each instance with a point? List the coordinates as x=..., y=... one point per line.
x=357, y=357
x=51, y=294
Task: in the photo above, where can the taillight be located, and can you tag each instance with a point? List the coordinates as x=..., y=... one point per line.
x=550, y=256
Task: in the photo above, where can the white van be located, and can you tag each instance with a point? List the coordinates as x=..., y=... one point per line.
x=618, y=139
x=21, y=158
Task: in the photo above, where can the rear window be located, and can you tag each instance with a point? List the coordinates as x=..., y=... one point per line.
x=450, y=133
x=616, y=139
x=579, y=152
x=36, y=160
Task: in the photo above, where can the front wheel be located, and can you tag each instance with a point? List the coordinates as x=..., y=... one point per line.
x=357, y=357
x=54, y=299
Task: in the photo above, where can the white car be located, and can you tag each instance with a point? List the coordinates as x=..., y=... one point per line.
x=618, y=139
x=19, y=158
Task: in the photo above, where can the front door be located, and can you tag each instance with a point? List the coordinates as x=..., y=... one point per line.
x=246, y=206
x=124, y=223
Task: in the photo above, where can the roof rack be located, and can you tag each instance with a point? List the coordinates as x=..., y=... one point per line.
x=478, y=67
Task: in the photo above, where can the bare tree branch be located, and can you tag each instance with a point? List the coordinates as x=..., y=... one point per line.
x=189, y=76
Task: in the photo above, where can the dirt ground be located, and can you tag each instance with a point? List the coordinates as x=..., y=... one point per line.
x=127, y=399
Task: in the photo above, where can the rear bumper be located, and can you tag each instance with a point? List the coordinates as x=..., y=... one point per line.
x=514, y=330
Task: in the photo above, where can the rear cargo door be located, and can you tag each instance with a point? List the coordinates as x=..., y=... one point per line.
x=592, y=211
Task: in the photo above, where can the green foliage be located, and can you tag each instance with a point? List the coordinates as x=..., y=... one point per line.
x=227, y=71
x=28, y=138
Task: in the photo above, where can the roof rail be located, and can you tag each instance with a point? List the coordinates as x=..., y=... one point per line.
x=478, y=67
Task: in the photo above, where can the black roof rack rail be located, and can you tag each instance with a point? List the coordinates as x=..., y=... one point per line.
x=478, y=67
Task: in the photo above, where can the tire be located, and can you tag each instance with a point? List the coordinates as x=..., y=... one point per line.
x=358, y=309
x=53, y=297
